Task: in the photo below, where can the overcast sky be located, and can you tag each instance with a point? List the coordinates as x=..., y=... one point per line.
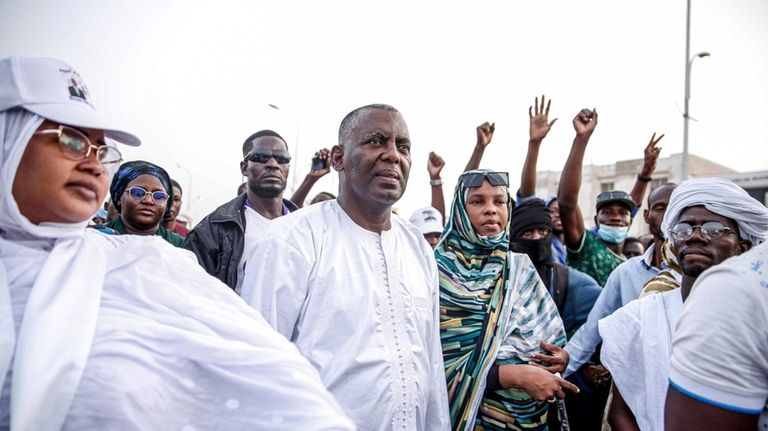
x=193, y=79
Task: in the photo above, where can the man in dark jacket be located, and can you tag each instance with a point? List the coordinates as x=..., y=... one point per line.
x=222, y=239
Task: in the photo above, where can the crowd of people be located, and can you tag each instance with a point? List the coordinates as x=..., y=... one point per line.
x=502, y=311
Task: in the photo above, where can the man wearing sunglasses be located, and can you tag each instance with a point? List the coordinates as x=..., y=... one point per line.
x=221, y=240
x=708, y=221
x=355, y=288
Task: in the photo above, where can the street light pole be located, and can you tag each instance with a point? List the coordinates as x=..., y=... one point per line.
x=296, y=146
x=688, y=65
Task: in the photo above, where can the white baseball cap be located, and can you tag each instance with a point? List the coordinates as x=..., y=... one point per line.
x=428, y=220
x=52, y=89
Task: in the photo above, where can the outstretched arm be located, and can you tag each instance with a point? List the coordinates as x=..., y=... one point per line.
x=484, y=136
x=434, y=167
x=650, y=156
x=570, y=181
x=537, y=131
x=300, y=195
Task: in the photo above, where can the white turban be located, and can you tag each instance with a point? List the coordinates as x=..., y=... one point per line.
x=722, y=197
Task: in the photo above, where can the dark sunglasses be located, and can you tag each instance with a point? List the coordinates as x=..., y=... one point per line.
x=711, y=230
x=475, y=179
x=138, y=194
x=264, y=158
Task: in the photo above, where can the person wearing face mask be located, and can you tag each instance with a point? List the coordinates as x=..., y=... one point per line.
x=598, y=253
x=504, y=376
x=530, y=232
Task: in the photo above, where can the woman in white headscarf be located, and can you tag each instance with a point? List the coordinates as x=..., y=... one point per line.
x=118, y=332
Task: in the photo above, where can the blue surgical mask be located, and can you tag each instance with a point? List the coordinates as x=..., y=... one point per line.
x=611, y=234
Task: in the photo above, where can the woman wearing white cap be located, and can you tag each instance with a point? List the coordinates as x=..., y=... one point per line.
x=118, y=332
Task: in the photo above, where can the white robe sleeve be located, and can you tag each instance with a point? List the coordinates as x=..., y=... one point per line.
x=276, y=281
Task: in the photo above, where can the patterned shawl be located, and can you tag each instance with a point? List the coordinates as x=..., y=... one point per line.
x=494, y=309
x=665, y=280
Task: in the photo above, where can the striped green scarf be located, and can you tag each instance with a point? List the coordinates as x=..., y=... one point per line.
x=492, y=299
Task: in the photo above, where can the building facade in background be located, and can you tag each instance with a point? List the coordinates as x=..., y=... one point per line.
x=622, y=175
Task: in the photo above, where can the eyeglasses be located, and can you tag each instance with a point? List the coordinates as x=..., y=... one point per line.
x=475, y=179
x=138, y=194
x=264, y=158
x=76, y=146
x=711, y=230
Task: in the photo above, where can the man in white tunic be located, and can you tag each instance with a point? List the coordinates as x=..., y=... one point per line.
x=355, y=288
x=708, y=221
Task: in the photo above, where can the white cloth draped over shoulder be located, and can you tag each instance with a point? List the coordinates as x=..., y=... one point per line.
x=127, y=332
x=362, y=307
x=637, y=347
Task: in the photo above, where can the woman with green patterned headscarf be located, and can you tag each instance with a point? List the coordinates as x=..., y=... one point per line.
x=495, y=316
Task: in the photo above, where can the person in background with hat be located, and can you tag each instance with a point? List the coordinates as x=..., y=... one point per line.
x=140, y=193
x=430, y=223
x=118, y=331
x=595, y=253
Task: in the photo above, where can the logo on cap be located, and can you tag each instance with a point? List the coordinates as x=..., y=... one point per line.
x=76, y=86
x=428, y=216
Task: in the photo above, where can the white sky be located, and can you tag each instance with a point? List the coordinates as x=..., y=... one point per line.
x=193, y=79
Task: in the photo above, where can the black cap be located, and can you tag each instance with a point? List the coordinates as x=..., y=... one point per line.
x=612, y=196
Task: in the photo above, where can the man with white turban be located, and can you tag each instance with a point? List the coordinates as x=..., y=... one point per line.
x=708, y=220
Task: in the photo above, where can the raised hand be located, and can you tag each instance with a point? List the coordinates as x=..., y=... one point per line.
x=538, y=116
x=485, y=133
x=435, y=164
x=585, y=122
x=555, y=362
x=651, y=155
x=324, y=155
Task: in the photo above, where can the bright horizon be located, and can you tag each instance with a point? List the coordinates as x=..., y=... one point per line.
x=193, y=79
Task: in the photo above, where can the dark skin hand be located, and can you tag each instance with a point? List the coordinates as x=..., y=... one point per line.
x=484, y=137
x=650, y=157
x=435, y=165
x=301, y=193
x=555, y=362
x=535, y=381
x=538, y=117
x=584, y=124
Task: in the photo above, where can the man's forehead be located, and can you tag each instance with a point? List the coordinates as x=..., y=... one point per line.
x=268, y=143
x=699, y=212
x=615, y=206
x=380, y=121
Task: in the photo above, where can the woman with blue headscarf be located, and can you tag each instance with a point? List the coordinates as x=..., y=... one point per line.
x=141, y=192
x=495, y=316
x=118, y=332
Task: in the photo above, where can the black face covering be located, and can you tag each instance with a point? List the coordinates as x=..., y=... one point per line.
x=529, y=215
x=539, y=250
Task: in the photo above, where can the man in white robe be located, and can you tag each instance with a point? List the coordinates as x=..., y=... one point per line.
x=356, y=288
x=708, y=221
